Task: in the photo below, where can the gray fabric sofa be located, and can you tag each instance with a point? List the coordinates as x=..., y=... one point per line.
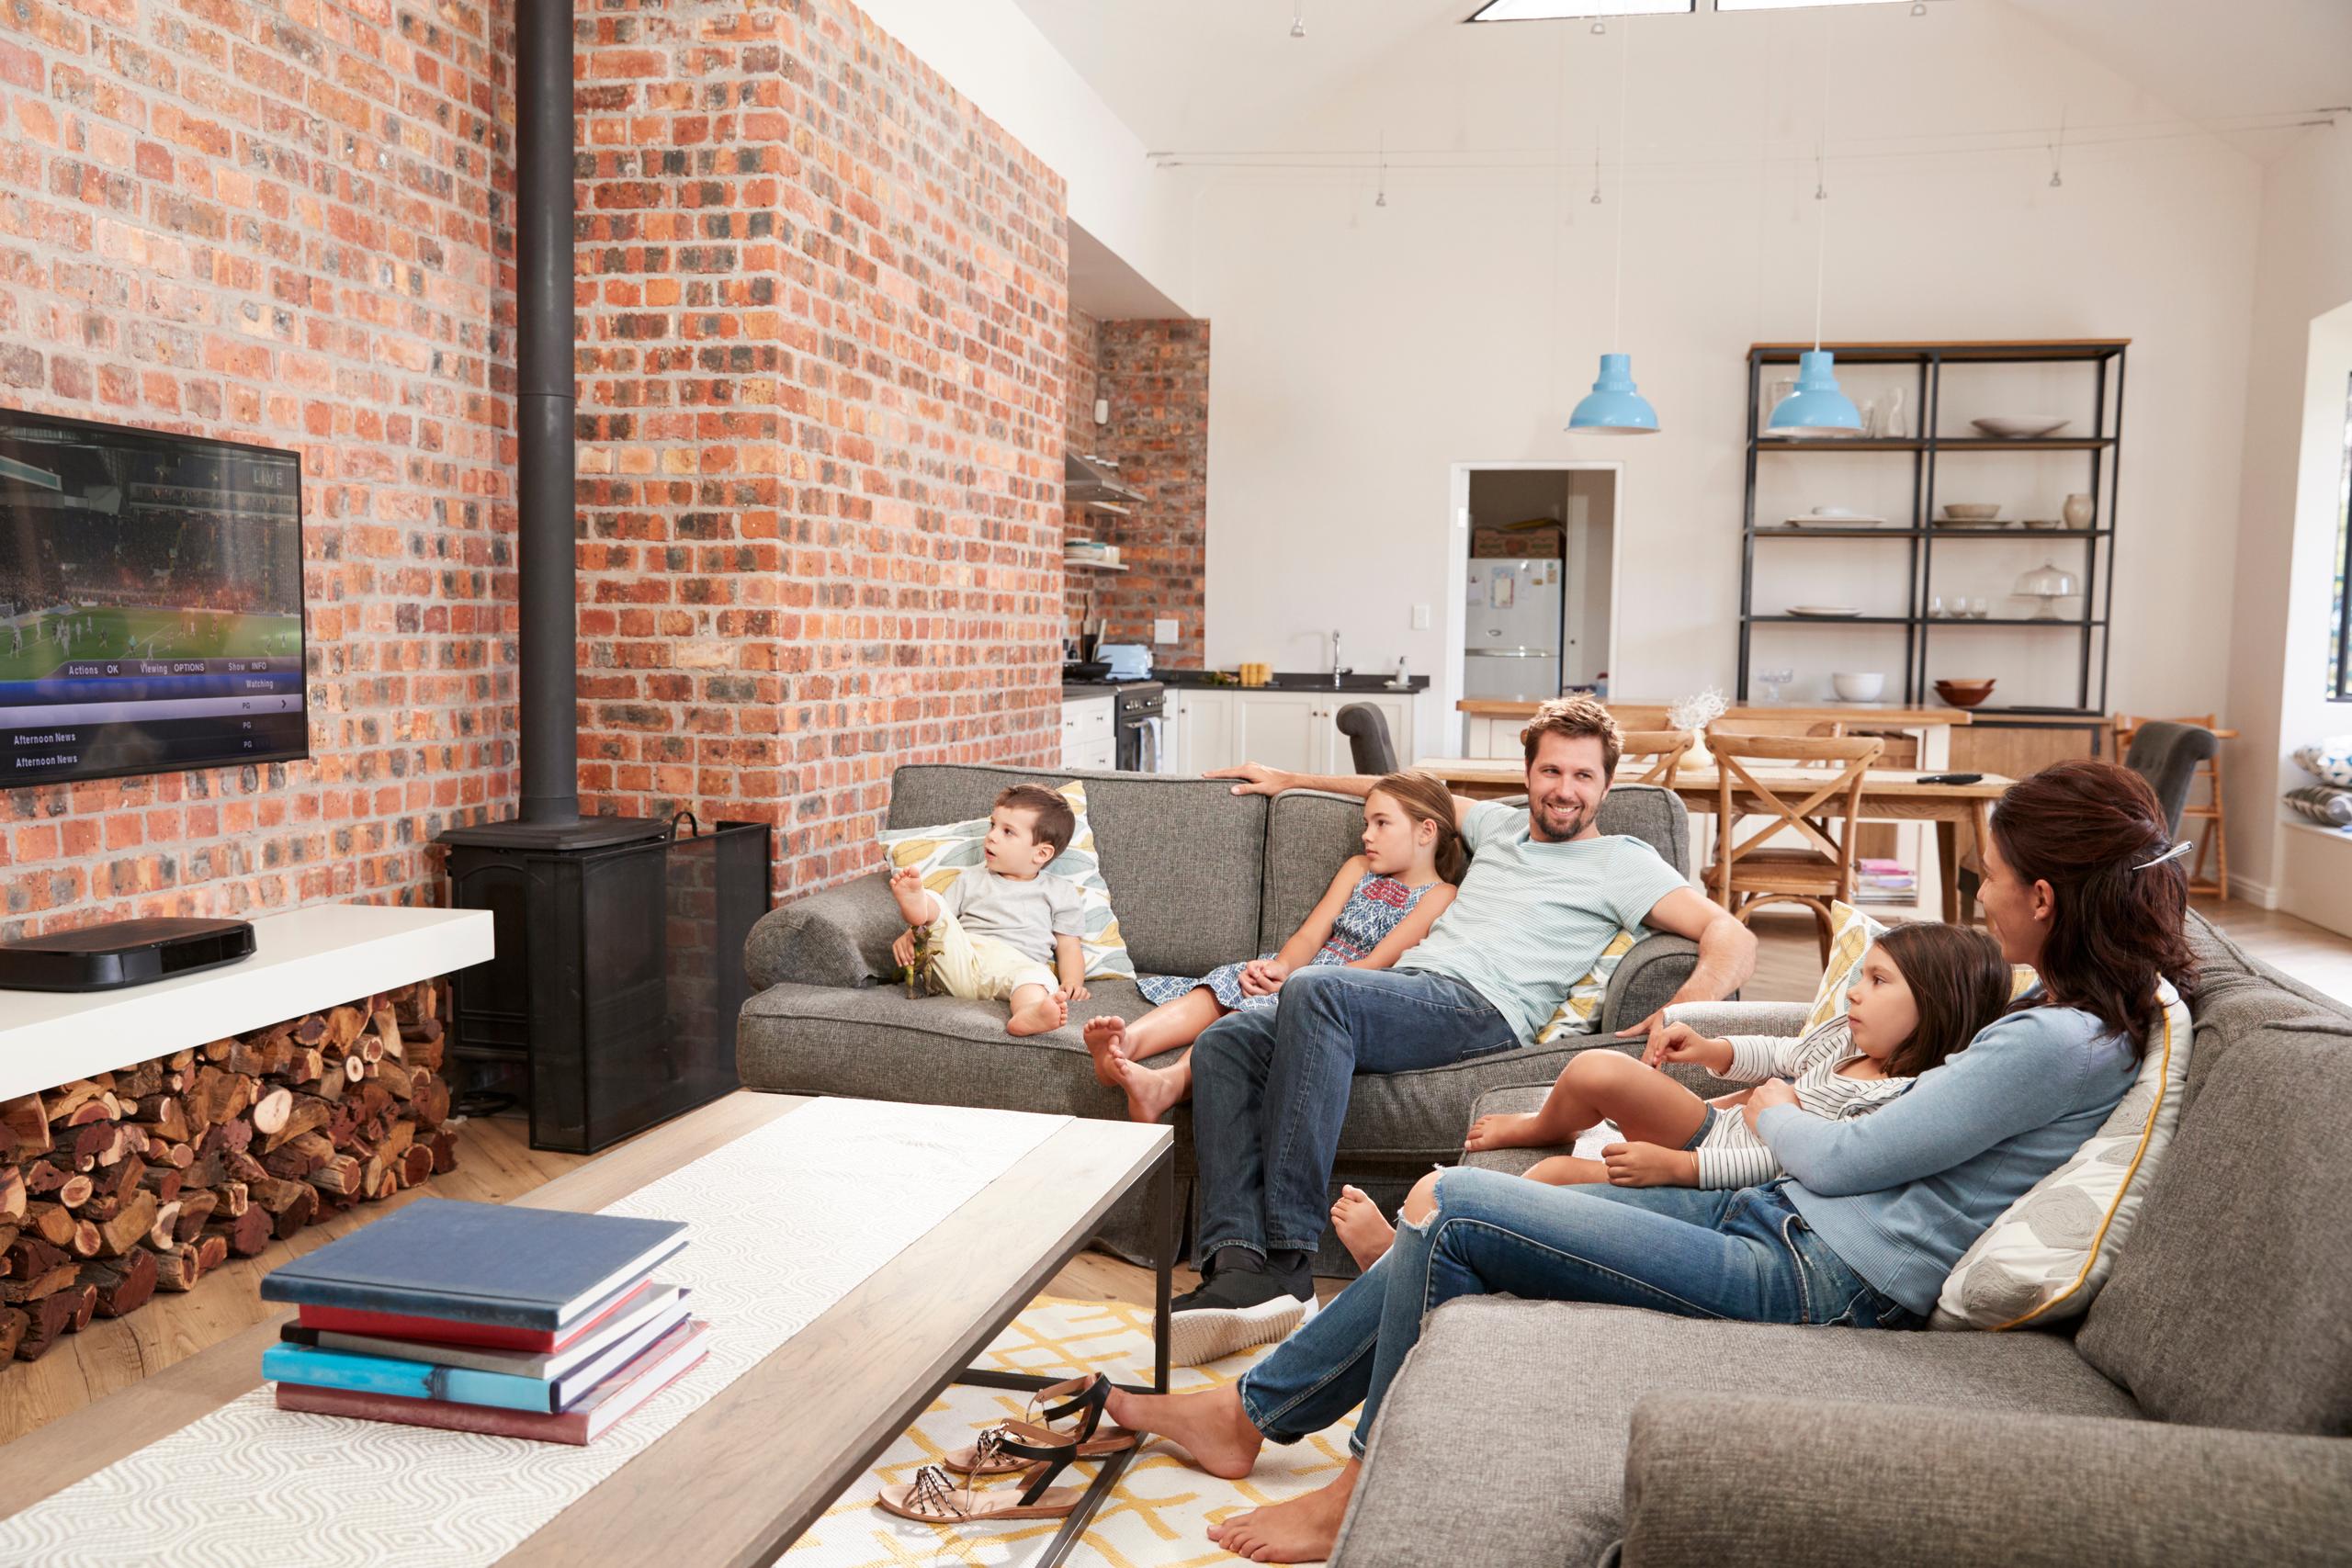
x=1199, y=876
x=2198, y=1416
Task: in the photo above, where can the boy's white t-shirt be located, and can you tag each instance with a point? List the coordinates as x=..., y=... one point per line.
x=1025, y=914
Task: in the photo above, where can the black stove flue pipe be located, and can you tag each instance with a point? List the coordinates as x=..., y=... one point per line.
x=544, y=402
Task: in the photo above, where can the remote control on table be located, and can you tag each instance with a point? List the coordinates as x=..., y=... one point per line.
x=1949, y=778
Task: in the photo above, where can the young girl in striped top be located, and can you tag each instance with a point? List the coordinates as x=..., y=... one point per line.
x=1923, y=992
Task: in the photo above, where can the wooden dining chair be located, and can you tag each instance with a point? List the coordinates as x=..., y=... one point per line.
x=1819, y=870
x=1823, y=730
x=2212, y=841
x=1663, y=748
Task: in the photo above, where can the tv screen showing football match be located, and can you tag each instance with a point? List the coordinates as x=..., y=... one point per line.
x=150, y=602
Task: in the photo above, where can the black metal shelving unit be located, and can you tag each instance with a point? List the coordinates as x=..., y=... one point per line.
x=2103, y=358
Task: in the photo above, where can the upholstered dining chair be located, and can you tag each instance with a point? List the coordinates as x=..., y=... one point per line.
x=1374, y=754
x=1752, y=779
x=2168, y=754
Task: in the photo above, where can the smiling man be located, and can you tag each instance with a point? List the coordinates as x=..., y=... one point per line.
x=1545, y=892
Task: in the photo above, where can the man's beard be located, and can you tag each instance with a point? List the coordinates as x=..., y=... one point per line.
x=1551, y=820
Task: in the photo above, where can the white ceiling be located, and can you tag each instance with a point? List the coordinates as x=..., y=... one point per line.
x=1224, y=74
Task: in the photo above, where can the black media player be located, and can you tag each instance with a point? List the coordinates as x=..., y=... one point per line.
x=121, y=952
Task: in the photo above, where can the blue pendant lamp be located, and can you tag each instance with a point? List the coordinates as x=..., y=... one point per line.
x=1817, y=408
x=1615, y=406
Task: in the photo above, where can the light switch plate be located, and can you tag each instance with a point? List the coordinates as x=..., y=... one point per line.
x=1420, y=617
x=1163, y=630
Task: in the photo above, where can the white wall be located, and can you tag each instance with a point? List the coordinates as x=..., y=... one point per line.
x=1361, y=351
x=995, y=56
x=2278, y=647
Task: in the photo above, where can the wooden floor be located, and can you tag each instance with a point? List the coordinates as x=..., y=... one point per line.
x=495, y=1163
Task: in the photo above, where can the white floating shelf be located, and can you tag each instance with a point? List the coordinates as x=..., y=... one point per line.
x=303, y=960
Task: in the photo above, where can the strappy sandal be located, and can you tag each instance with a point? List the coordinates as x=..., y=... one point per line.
x=931, y=1498
x=1095, y=1440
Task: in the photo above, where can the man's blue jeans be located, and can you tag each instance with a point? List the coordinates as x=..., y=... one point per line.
x=1269, y=1089
x=1743, y=1255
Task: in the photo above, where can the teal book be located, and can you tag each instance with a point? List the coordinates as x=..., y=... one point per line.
x=408, y=1380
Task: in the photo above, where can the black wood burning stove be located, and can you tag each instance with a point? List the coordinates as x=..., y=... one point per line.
x=612, y=1003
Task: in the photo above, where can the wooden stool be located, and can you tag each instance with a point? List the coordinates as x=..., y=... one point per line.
x=2213, y=842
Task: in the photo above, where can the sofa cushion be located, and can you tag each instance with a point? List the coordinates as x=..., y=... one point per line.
x=1182, y=856
x=1519, y=1412
x=1309, y=835
x=2232, y=1305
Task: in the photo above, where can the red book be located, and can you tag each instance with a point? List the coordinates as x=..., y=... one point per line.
x=664, y=1362
x=449, y=1331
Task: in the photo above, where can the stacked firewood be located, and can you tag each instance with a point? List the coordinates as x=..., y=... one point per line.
x=115, y=1187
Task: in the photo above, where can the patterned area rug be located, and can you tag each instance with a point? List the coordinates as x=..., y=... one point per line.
x=1157, y=1518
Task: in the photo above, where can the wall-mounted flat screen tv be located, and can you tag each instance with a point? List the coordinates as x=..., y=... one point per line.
x=150, y=602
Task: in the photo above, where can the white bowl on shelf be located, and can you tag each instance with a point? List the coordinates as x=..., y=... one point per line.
x=2020, y=426
x=1859, y=688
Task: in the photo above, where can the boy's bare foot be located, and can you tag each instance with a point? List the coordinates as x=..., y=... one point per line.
x=1301, y=1530
x=1364, y=1229
x=1210, y=1425
x=1567, y=1170
x=1040, y=1016
x=1149, y=1091
x=1106, y=1038
x=1510, y=1133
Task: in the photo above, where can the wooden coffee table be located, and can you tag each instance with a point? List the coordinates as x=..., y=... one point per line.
x=739, y=1480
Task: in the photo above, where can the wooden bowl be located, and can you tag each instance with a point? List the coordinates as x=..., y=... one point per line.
x=1963, y=694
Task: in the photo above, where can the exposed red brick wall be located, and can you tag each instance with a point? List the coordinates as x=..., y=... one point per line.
x=1155, y=375
x=822, y=401
x=283, y=225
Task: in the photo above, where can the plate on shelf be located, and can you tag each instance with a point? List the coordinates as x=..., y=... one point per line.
x=1846, y=520
x=1971, y=522
x=1824, y=612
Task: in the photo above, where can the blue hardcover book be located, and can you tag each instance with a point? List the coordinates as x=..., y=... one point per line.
x=482, y=1263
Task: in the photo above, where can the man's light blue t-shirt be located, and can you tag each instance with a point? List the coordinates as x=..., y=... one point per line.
x=1533, y=917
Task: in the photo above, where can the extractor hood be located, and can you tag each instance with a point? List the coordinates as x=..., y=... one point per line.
x=1089, y=481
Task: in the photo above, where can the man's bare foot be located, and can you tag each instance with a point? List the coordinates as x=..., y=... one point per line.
x=1301, y=1530
x=1106, y=1038
x=1149, y=1091
x=1210, y=1425
x=1510, y=1132
x=1364, y=1229
x=1040, y=1016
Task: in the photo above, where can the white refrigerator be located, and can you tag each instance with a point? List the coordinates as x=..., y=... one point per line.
x=1511, y=641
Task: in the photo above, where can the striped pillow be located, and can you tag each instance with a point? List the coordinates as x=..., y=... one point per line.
x=1579, y=1012
x=942, y=851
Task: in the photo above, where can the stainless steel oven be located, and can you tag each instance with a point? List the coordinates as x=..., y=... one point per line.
x=1139, y=718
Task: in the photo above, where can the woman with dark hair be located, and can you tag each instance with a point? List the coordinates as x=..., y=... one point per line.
x=2081, y=882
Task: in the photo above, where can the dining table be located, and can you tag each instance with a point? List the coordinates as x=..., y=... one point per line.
x=1888, y=795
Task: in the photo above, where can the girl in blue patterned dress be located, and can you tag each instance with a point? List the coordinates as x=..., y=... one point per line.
x=1379, y=905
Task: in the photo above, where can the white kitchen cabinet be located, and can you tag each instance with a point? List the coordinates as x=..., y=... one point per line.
x=1295, y=730
x=1289, y=730
x=1089, y=740
x=1203, y=729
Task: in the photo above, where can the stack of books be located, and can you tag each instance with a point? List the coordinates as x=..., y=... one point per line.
x=1885, y=882
x=526, y=1322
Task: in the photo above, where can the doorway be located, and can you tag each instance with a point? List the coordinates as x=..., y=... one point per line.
x=1531, y=607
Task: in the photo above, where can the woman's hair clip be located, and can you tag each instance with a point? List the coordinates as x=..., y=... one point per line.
x=2175, y=853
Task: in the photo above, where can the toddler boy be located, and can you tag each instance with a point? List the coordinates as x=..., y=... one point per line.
x=1005, y=929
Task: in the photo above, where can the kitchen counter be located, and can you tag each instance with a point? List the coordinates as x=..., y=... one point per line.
x=1292, y=681
x=1652, y=716
x=1083, y=691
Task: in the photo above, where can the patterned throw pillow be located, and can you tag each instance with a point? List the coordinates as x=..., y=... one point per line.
x=1580, y=1013
x=1851, y=934
x=2329, y=761
x=2330, y=804
x=2043, y=1260
x=942, y=851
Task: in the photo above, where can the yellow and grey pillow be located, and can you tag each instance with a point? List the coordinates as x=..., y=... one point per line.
x=944, y=852
x=1579, y=1012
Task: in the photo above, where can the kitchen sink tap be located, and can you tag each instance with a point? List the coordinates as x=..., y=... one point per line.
x=1335, y=672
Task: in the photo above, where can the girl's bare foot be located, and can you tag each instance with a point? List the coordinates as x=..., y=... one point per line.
x=1149, y=1091
x=1301, y=1530
x=1106, y=1039
x=1040, y=1016
x=1364, y=1229
x=1510, y=1133
x=1210, y=1425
